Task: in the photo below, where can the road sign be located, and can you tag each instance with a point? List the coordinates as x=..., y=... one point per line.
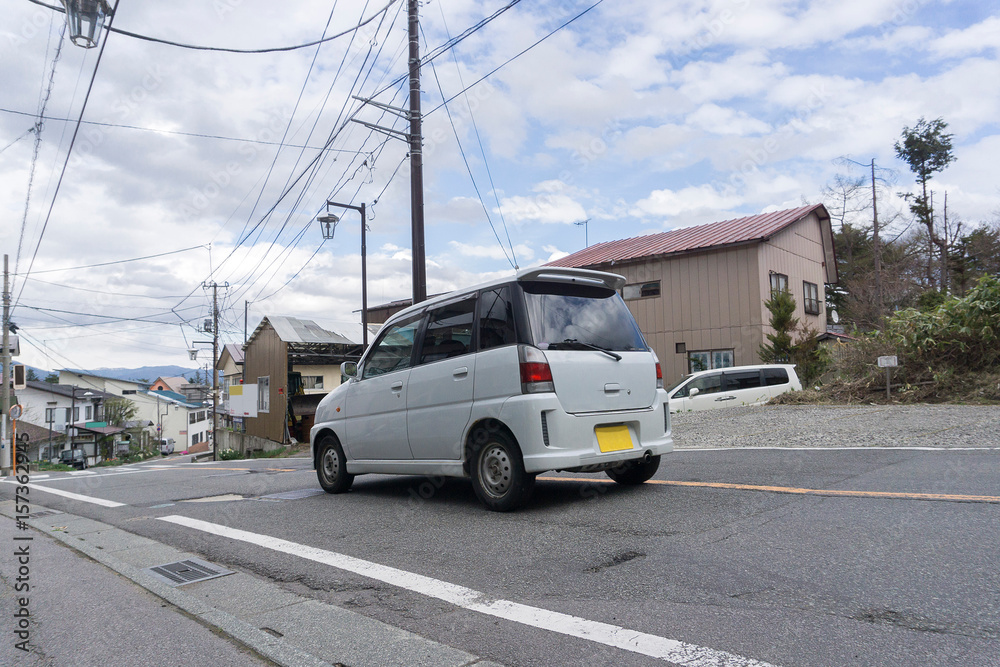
x=16, y=411
x=887, y=362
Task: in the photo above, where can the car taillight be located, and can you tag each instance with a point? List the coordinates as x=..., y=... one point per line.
x=536, y=376
x=659, y=370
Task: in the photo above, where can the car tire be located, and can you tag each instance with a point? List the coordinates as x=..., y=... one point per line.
x=631, y=473
x=497, y=470
x=331, y=466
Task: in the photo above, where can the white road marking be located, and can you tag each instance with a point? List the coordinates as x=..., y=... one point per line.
x=81, y=472
x=71, y=496
x=610, y=635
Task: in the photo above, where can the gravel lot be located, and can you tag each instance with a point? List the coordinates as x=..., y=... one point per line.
x=938, y=426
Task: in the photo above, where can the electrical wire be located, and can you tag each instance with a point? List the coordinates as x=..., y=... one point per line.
x=118, y=261
x=62, y=174
x=195, y=47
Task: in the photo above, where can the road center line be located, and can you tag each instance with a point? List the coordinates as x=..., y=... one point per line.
x=952, y=497
x=71, y=496
x=603, y=633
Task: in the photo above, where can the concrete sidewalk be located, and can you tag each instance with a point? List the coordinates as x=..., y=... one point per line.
x=91, y=602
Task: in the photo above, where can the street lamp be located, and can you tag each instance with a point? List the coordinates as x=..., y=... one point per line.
x=328, y=225
x=85, y=19
x=586, y=235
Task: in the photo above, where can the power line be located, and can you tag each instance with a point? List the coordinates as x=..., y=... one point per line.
x=119, y=261
x=195, y=47
x=197, y=135
x=69, y=152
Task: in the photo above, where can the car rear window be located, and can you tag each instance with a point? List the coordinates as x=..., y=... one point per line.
x=561, y=314
x=773, y=376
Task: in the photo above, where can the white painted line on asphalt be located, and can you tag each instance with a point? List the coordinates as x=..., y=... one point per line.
x=71, y=496
x=82, y=472
x=603, y=633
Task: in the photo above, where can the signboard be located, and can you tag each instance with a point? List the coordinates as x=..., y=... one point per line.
x=16, y=411
x=887, y=362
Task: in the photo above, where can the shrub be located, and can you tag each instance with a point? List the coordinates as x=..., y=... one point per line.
x=229, y=455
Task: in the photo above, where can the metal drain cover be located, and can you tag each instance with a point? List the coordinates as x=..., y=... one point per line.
x=187, y=571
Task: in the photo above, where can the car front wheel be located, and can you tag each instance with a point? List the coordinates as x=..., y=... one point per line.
x=497, y=468
x=635, y=472
x=331, y=466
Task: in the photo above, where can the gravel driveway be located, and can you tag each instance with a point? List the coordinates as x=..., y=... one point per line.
x=938, y=426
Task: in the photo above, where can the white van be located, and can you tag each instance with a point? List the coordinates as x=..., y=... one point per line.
x=499, y=382
x=729, y=387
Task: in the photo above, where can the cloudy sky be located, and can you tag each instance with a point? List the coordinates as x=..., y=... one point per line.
x=634, y=115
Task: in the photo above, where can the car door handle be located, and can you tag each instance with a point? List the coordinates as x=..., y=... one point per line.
x=396, y=386
x=612, y=388
x=461, y=372
x=725, y=398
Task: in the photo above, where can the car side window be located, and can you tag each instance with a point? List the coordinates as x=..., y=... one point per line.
x=707, y=384
x=774, y=376
x=742, y=380
x=496, y=319
x=393, y=350
x=449, y=331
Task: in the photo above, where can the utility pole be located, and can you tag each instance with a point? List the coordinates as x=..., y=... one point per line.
x=416, y=161
x=5, y=452
x=875, y=246
x=215, y=358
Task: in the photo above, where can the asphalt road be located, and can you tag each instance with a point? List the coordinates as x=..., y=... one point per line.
x=785, y=556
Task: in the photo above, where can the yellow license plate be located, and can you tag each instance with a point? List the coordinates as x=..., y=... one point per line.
x=613, y=438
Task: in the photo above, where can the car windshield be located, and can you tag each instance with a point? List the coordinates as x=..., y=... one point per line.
x=579, y=317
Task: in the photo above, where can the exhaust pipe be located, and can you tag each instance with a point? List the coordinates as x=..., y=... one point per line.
x=647, y=456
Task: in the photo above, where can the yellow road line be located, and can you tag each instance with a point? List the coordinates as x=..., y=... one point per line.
x=806, y=492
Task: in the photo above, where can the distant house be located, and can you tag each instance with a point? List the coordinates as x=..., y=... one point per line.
x=230, y=367
x=64, y=411
x=168, y=384
x=289, y=364
x=698, y=293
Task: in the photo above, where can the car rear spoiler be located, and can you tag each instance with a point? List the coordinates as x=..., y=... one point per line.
x=567, y=275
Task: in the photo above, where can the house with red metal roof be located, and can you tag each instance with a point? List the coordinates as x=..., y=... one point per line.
x=698, y=293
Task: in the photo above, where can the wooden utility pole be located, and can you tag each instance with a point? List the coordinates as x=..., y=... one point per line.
x=876, y=246
x=416, y=161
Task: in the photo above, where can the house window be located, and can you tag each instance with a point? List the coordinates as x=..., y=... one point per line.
x=810, y=297
x=50, y=415
x=779, y=283
x=641, y=290
x=69, y=415
x=264, y=394
x=312, y=381
x=88, y=413
x=192, y=417
x=709, y=359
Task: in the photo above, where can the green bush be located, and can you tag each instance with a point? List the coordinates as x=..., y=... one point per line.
x=229, y=455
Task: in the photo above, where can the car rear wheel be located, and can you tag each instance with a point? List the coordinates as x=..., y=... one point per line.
x=331, y=466
x=634, y=472
x=497, y=468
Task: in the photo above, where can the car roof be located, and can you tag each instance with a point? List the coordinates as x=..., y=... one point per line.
x=538, y=273
x=729, y=369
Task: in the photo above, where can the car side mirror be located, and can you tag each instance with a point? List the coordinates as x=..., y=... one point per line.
x=349, y=369
x=694, y=392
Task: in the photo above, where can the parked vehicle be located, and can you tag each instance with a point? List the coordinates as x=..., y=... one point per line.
x=499, y=382
x=73, y=457
x=167, y=446
x=729, y=387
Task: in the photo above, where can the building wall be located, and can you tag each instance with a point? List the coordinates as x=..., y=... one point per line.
x=708, y=301
x=714, y=300
x=267, y=355
x=796, y=252
x=107, y=385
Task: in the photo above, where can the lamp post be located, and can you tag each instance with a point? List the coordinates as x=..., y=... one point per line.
x=85, y=19
x=328, y=225
x=586, y=235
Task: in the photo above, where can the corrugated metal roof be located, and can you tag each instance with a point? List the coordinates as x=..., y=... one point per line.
x=294, y=330
x=701, y=237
